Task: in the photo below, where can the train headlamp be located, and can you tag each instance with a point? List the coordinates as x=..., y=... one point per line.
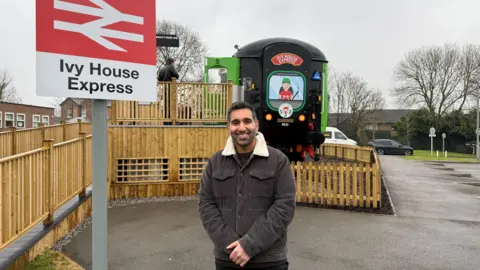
x=268, y=117
x=301, y=118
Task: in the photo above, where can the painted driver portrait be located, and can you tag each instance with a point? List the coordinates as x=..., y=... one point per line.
x=286, y=91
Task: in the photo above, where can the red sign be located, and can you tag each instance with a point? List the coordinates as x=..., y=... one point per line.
x=106, y=29
x=287, y=58
x=96, y=49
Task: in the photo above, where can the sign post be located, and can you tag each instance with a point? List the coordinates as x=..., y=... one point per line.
x=431, y=135
x=100, y=50
x=443, y=142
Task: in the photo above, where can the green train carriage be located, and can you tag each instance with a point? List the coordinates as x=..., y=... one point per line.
x=286, y=82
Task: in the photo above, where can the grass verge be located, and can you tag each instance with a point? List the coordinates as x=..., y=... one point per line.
x=52, y=260
x=451, y=156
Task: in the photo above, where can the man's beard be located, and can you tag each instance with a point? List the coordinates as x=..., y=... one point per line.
x=245, y=138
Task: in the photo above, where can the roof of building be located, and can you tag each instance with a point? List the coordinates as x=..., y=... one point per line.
x=28, y=105
x=79, y=101
x=387, y=116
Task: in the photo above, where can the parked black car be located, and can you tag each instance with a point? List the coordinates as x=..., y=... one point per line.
x=390, y=147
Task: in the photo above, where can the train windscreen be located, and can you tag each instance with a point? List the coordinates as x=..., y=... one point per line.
x=286, y=87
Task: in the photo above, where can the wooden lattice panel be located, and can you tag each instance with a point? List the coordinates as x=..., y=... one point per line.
x=191, y=168
x=153, y=169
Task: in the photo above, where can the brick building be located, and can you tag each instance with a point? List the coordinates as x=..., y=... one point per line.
x=24, y=116
x=72, y=109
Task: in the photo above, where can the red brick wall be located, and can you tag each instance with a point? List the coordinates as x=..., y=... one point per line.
x=28, y=110
x=69, y=104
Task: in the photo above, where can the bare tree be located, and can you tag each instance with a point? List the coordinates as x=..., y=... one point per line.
x=8, y=92
x=189, y=55
x=336, y=86
x=437, y=77
x=357, y=100
x=470, y=72
x=375, y=109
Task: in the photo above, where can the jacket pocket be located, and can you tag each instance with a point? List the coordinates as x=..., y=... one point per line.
x=261, y=189
x=224, y=187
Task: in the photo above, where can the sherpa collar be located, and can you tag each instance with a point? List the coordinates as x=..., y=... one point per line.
x=260, y=149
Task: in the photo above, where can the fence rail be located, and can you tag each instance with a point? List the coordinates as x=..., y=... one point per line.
x=35, y=183
x=16, y=141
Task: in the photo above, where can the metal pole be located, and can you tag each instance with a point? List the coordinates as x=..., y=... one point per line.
x=431, y=144
x=99, y=185
x=478, y=121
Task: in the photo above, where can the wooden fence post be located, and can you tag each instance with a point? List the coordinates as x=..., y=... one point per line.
x=229, y=95
x=13, y=131
x=49, y=177
x=42, y=131
x=113, y=113
x=64, y=130
x=173, y=101
x=83, y=135
x=79, y=121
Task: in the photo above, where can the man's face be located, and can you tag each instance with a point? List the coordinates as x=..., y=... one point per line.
x=286, y=86
x=242, y=127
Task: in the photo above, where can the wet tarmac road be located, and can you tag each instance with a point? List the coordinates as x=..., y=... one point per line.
x=418, y=189
x=173, y=238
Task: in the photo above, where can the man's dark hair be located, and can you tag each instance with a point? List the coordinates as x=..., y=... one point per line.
x=241, y=105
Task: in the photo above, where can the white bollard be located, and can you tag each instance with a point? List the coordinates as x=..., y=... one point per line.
x=437, y=153
x=446, y=155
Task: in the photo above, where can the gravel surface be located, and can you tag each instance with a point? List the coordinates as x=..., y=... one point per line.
x=62, y=242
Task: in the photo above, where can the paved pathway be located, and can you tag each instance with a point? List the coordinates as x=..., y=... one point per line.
x=169, y=236
x=421, y=190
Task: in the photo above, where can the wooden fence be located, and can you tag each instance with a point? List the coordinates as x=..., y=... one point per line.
x=35, y=183
x=338, y=183
x=348, y=152
x=149, y=161
x=17, y=141
x=178, y=103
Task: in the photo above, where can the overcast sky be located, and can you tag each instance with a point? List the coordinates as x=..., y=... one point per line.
x=366, y=37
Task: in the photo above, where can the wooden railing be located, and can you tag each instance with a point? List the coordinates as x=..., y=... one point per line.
x=15, y=141
x=178, y=103
x=37, y=182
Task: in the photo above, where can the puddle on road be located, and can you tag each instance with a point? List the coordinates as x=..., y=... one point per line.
x=476, y=184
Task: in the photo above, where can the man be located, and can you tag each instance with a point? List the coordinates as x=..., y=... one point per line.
x=165, y=74
x=247, y=197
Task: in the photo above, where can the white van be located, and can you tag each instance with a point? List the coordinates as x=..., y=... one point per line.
x=335, y=136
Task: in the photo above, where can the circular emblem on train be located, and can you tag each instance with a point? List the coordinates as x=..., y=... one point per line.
x=285, y=110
